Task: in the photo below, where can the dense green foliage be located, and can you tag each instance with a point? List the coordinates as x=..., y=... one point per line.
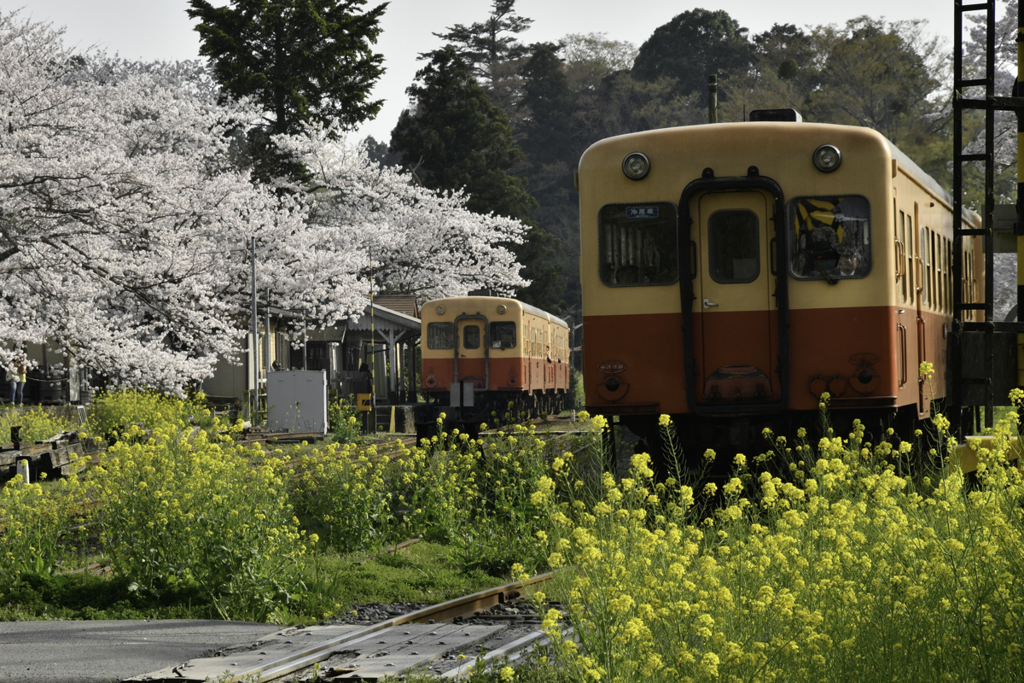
x=693, y=45
x=454, y=138
x=302, y=61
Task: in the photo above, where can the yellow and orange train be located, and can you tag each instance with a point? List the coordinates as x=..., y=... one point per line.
x=490, y=355
x=733, y=273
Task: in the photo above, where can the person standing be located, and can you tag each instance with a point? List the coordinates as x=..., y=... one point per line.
x=18, y=385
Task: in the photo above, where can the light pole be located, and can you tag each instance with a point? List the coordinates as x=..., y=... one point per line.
x=254, y=316
x=254, y=355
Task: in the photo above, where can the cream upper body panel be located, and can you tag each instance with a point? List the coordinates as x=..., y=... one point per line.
x=527, y=318
x=781, y=152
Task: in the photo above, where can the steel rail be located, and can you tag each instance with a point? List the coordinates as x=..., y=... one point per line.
x=510, y=652
x=321, y=651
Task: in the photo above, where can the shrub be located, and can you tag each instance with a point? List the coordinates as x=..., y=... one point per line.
x=215, y=514
x=117, y=410
x=475, y=495
x=344, y=495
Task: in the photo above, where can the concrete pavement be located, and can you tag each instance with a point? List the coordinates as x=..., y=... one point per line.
x=102, y=651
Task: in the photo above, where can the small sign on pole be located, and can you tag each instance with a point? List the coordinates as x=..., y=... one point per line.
x=363, y=403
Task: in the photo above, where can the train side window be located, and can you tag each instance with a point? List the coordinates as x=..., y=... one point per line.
x=926, y=268
x=831, y=237
x=503, y=335
x=948, y=256
x=932, y=266
x=471, y=337
x=911, y=278
x=638, y=244
x=903, y=241
x=734, y=253
x=440, y=336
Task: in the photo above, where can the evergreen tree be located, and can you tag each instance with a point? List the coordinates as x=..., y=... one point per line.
x=548, y=109
x=552, y=150
x=453, y=138
x=484, y=45
x=301, y=60
x=691, y=46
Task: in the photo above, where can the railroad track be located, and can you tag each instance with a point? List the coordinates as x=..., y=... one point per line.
x=429, y=638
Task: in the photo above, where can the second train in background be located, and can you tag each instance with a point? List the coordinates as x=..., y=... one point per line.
x=490, y=358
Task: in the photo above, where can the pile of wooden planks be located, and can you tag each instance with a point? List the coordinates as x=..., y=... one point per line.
x=58, y=456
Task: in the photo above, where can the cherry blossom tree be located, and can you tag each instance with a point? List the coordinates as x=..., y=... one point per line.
x=417, y=241
x=125, y=227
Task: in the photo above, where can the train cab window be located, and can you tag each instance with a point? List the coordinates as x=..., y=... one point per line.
x=503, y=335
x=734, y=253
x=471, y=337
x=440, y=336
x=830, y=237
x=638, y=244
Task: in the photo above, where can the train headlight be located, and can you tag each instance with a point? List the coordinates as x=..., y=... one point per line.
x=440, y=310
x=636, y=166
x=501, y=309
x=827, y=158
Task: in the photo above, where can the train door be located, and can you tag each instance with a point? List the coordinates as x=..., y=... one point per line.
x=735, y=345
x=471, y=350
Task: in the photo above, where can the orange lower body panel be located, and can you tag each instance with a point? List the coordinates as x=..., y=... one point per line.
x=855, y=354
x=503, y=374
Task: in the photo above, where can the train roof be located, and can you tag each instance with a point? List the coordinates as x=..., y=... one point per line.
x=905, y=161
x=525, y=306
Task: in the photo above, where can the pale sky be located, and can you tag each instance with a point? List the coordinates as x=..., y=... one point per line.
x=160, y=29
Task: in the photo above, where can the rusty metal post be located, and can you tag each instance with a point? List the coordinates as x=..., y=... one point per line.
x=713, y=98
